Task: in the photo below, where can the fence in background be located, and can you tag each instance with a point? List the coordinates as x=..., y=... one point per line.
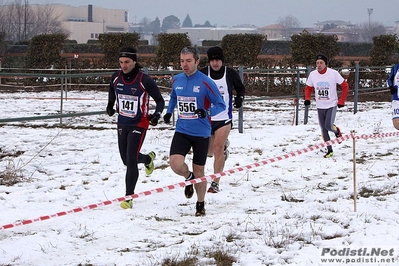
x=280, y=83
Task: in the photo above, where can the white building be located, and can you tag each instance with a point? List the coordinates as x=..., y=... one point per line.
x=86, y=22
x=197, y=35
x=339, y=24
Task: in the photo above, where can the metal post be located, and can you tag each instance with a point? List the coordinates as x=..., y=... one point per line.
x=305, y=119
x=69, y=83
x=62, y=95
x=354, y=171
x=240, y=111
x=370, y=11
x=356, y=91
x=298, y=87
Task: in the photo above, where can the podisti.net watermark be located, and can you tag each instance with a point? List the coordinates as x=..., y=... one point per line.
x=361, y=255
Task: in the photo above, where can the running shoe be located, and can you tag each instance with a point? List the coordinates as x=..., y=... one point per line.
x=214, y=188
x=149, y=168
x=329, y=154
x=227, y=144
x=338, y=134
x=189, y=189
x=226, y=152
x=127, y=204
x=200, y=209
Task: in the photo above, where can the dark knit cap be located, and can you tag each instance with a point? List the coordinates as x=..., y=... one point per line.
x=322, y=57
x=131, y=53
x=215, y=53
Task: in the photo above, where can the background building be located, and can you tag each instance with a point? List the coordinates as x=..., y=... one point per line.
x=198, y=34
x=85, y=23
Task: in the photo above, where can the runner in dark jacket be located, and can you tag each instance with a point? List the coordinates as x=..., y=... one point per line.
x=131, y=89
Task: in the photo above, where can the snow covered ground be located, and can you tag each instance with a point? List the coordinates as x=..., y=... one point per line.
x=286, y=211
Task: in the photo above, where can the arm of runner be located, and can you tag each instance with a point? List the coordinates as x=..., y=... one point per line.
x=344, y=94
x=308, y=92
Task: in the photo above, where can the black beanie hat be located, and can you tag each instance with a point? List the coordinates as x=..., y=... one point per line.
x=131, y=53
x=322, y=57
x=215, y=53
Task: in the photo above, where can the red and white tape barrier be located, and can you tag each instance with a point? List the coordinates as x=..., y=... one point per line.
x=201, y=179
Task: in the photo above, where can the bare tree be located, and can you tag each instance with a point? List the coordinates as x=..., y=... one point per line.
x=368, y=30
x=10, y=22
x=2, y=44
x=46, y=22
x=20, y=21
x=352, y=34
x=289, y=22
x=14, y=20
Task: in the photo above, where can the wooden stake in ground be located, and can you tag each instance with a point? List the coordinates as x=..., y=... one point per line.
x=354, y=170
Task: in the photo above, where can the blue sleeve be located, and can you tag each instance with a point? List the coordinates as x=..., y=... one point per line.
x=218, y=106
x=392, y=75
x=172, y=101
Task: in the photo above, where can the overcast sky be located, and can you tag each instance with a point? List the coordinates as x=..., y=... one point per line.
x=256, y=12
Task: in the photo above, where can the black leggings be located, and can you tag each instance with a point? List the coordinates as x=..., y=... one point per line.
x=130, y=140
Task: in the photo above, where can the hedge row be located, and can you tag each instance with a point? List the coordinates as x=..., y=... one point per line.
x=268, y=48
x=240, y=49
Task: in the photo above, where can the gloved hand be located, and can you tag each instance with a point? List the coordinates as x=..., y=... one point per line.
x=166, y=118
x=238, y=101
x=393, y=89
x=110, y=110
x=307, y=102
x=154, y=119
x=341, y=105
x=200, y=112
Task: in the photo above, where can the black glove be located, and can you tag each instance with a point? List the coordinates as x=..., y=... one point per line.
x=341, y=105
x=154, y=119
x=393, y=89
x=307, y=102
x=238, y=101
x=166, y=118
x=110, y=110
x=200, y=112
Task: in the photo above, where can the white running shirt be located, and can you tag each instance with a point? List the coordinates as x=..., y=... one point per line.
x=222, y=86
x=325, y=86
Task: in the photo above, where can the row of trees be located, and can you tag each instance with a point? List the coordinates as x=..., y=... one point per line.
x=169, y=22
x=363, y=32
